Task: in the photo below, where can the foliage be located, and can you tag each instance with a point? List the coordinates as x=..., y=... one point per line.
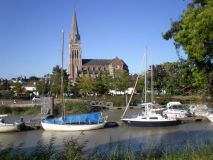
x=4, y=84
x=194, y=33
x=103, y=83
x=18, y=89
x=33, y=79
x=86, y=85
x=120, y=80
x=72, y=149
x=43, y=87
x=78, y=107
x=20, y=110
x=55, y=81
x=6, y=94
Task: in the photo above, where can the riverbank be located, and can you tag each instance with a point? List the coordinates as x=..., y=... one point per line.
x=72, y=149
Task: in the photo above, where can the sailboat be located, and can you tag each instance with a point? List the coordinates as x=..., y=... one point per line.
x=79, y=122
x=149, y=118
x=8, y=127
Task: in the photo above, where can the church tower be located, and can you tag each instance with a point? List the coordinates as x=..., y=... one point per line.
x=75, y=52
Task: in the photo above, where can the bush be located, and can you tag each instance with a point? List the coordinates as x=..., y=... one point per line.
x=5, y=110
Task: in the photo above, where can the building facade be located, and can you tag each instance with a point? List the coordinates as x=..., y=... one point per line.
x=78, y=67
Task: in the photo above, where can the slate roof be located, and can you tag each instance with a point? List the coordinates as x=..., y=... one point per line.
x=96, y=61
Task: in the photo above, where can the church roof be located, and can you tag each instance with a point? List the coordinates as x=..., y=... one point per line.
x=96, y=61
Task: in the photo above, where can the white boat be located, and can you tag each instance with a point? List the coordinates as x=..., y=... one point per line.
x=8, y=127
x=81, y=122
x=149, y=118
x=199, y=110
x=175, y=110
x=210, y=116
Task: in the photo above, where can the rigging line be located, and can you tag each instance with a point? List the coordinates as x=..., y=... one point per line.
x=132, y=91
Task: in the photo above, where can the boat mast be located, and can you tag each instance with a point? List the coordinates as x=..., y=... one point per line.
x=145, y=74
x=152, y=89
x=62, y=80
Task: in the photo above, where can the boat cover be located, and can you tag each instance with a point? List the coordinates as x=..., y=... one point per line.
x=79, y=118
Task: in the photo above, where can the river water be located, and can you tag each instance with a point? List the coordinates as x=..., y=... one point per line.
x=172, y=137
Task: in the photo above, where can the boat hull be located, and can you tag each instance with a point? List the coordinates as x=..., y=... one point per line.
x=71, y=127
x=5, y=127
x=210, y=117
x=151, y=123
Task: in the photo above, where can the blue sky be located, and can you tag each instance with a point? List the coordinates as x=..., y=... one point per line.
x=30, y=32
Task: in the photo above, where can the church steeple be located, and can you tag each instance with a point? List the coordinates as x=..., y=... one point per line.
x=75, y=53
x=75, y=37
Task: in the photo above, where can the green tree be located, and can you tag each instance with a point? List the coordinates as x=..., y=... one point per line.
x=193, y=32
x=18, y=89
x=120, y=80
x=103, y=83
x=33, y=79
x=86, y=85
x=55, y=81
x=43, y=87
x=4, y=84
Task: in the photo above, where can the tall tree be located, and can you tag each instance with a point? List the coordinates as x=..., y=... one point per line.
x=194, y=32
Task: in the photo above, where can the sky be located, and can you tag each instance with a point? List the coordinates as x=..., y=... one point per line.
x=30, y=32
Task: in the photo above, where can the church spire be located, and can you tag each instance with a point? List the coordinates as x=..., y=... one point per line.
x=75, y=37
x=75, y=52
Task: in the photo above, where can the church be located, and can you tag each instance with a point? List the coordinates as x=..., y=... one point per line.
x=78, y=67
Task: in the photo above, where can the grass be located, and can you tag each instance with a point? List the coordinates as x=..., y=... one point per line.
x=20, y=110
x=73, y=150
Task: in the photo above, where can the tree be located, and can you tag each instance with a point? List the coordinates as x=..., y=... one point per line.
x=120, y=80
x=4, y=84
x=103, y=83
x=86, y=85
x=18, y=88
x=55, y=81
x=43, y=87
x=194, y=33
x=33, y=79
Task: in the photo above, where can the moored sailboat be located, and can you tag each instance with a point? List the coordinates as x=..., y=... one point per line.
x=149, y=118
x=80, y=122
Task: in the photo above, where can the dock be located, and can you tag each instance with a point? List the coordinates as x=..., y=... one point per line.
x=32, y=124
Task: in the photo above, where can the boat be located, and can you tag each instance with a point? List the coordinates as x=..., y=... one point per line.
x=148, y=118
x=80, y=122
x=175, y=110
x=199, y=110
x=8, y=127
x=210, y=116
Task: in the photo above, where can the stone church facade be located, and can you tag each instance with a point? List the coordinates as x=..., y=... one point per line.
x=78, y=67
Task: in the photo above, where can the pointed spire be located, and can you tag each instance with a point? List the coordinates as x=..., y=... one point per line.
x=75, y=37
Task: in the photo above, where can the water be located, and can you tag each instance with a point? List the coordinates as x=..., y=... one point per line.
x=173, y=137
